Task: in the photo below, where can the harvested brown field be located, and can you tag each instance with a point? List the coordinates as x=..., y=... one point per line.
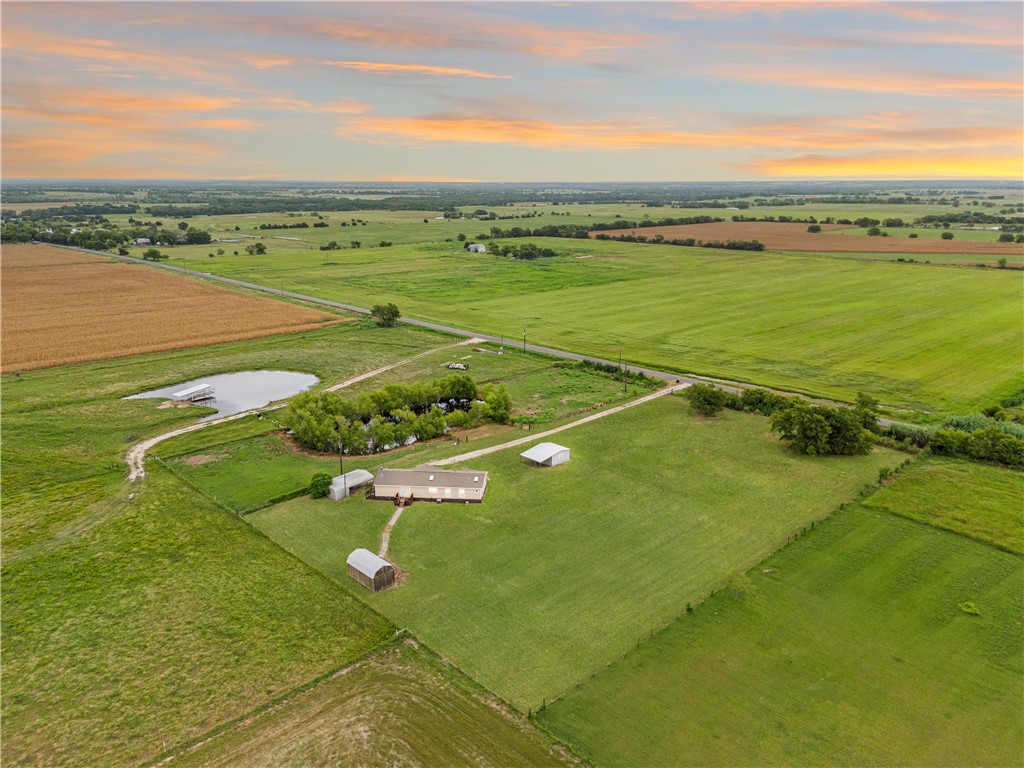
x=61, y=307
x=785, y=236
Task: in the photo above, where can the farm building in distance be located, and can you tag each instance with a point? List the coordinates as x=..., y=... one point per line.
x=430, y=483
x=547, y=454
x=343, y=485
x=374, y=573
x=477, y=248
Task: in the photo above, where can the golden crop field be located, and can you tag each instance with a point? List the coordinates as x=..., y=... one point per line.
x=60, y=307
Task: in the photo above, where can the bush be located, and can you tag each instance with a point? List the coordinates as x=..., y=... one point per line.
x=821, y=430
x=320, y=484
x=764, y=402
x=706, y=399
x=914, y=433
x=814, y=228
x=947, y=235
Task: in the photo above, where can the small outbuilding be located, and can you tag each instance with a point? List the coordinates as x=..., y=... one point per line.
x=429, y=483
x=195, y=394
x=374, y=573
x=547, y=454
x=343, y=485
x=476, y=248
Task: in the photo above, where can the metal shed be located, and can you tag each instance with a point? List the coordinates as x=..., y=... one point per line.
x=374, y=573
x=547, y=454
x=343, y=485
x=431, y=483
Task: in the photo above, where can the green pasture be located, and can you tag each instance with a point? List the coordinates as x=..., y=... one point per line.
x=872, y=640
x=570, y=567
x=934, y=339
x=156, y=621
x=137, y=616
x=984, y=502
x=402, y=706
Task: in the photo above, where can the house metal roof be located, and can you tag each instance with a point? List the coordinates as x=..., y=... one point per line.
x=432, y=477
x=367, y=563
x=542, y=451
x=353, y=479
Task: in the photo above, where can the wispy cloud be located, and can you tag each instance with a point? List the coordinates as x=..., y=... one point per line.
x=873, y=130
x=384, y=68
x=933, y=85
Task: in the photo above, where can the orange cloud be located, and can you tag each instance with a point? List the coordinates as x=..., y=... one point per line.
x=116, y=58
x=225, y=124
x=921, y=84
x=884, y=130
x=381, y=68
x=882, y=166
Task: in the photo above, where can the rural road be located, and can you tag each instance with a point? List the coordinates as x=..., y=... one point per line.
x=136, y=457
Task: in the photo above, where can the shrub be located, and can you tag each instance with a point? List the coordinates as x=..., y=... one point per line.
x=914, y=433
x=947, y=235
x=763, y=401
x=320, y=484
x=706, y=399
x=821, y=431
x=814, y=228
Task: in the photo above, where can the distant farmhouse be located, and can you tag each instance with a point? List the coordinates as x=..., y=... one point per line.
x=143, y=241
x=546, y=454
x=374, y=573
x=343, y=485
x=476, y=248
x=430, y=484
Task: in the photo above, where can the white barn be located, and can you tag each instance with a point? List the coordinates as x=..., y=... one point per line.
x=547, y=454
x=477, y=248
x=430, y=484
x=343, y=485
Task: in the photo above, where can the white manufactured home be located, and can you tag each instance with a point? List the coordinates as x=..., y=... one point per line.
x=430, y=484
x=547, y=454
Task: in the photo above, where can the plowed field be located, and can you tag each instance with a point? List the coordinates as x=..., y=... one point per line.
x=61, y=307
x=786, y=236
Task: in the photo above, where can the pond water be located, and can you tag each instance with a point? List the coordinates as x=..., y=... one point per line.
x=237, y=392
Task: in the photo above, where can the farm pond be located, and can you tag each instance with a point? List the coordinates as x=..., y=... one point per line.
x=237, y=392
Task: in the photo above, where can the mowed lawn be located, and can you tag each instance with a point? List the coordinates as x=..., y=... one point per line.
x=401, y=706
x=561, y=570
x=872, y=640
x=925, y=337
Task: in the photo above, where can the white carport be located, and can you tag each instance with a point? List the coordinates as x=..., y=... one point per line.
x=547, y=454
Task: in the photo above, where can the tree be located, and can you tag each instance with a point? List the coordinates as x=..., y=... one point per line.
x=814, y=228
x=319, y=484
x=355, y=243
x=122, y=251
x=386, y=315
x=460, y=237
x=256, y=249
x=867, y=410
x=804, y=429
x=1006, y=237
x=152, y=254
x=1002, y=263
x=706, y=399
x=947, y=235
x=874, y=232
x=183, y=225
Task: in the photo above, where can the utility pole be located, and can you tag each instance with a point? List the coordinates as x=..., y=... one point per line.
x=623, y=369
x=524, y=339
x=341, y=462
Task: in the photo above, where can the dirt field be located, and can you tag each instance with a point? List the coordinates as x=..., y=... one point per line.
x=795, y=237
x=61, y=307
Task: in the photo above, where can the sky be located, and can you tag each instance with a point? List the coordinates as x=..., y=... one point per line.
x=504, y=91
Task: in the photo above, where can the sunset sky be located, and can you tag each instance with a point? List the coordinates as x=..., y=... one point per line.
x=568, y=91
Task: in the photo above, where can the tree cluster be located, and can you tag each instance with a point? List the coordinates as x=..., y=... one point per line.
x=386, y=315
x=525, y=252
x=822, y=430
x=389, y=417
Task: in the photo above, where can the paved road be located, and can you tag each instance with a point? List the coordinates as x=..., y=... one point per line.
x=729, y=386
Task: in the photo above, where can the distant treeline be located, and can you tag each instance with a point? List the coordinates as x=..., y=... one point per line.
x=75, y=212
